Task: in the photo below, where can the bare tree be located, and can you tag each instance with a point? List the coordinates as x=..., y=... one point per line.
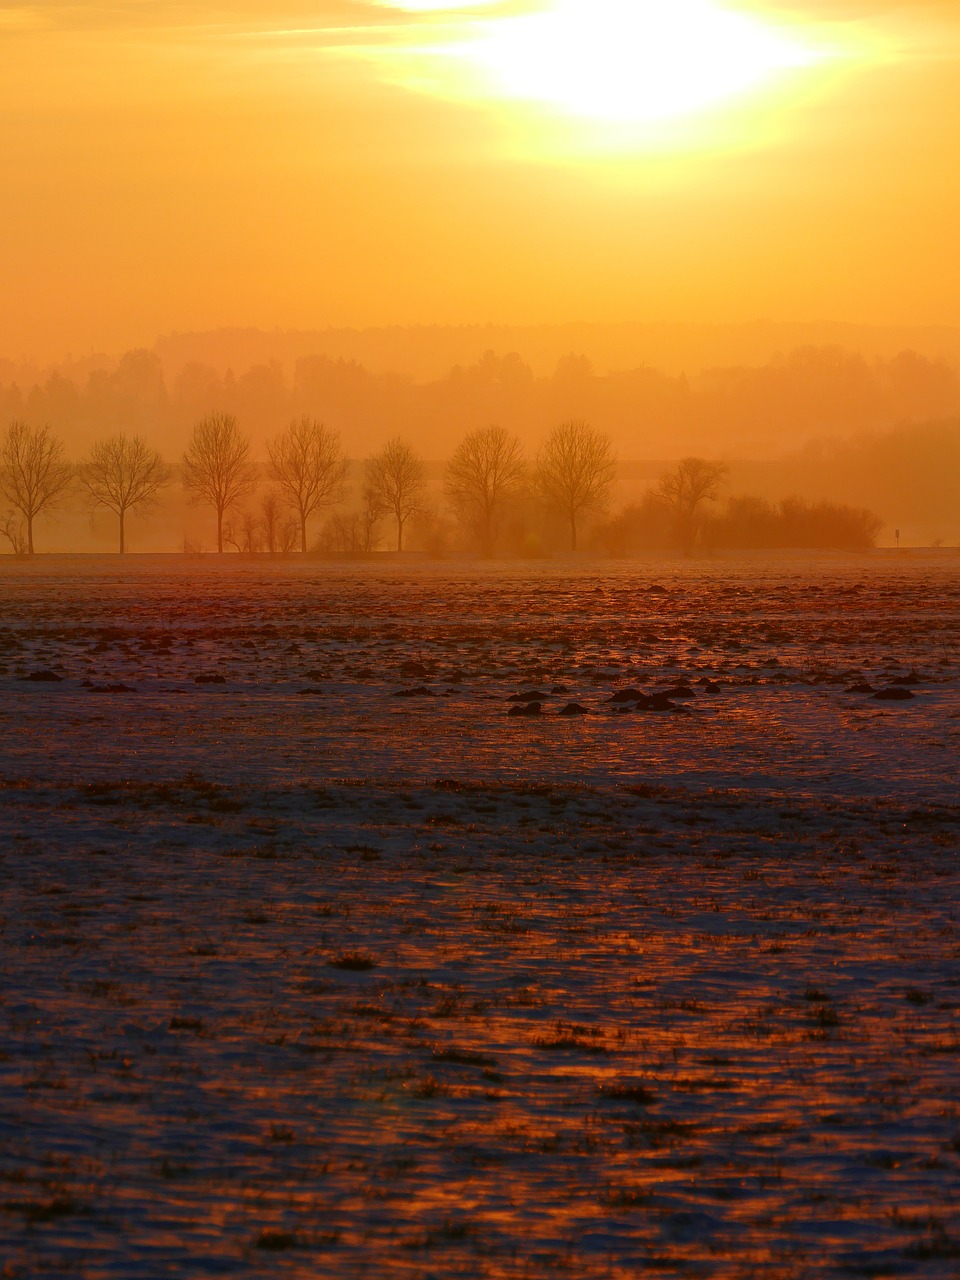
x=34, y=475
x=279, y=528
x=396, y=479
x=353, y=532
x=487, y=466
x=123, y=475
x=341, y=534
x=371, y=513
x=217, y=469
x=682, y=492
x=14, y=531
x=307, y=462
x=245, y=532
x=575, y=470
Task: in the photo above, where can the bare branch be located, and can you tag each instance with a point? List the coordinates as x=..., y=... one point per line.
x=245, y=533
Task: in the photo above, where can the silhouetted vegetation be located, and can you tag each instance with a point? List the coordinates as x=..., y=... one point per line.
x=684, y=491
x=522, y=486
x=812, y=391
x=278, y=526
x=749, y=523
x=395, y=482
x=217, y=468
x=487, y=468
x=308, y=465
x=743, y=523
x=575, y=470
x=123, y=475
x=34, y=475
x=13, y=531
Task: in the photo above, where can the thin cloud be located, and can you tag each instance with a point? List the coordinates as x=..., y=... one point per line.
x=138, y=15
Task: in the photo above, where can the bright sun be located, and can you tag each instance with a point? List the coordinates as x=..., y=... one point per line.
x=633, y=61
x=597, y=79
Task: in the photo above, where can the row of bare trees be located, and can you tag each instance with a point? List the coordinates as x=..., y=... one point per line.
x=306, y=462
x=309, y=468
x=485, y=478
x=124, y=474
x=573, y=474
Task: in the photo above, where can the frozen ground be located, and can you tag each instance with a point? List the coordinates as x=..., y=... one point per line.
x=304, y=978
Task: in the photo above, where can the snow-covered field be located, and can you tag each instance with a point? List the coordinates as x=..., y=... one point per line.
x=318, y=962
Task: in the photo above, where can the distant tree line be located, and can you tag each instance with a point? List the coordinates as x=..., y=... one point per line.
x=809, y=392
x=497, y=500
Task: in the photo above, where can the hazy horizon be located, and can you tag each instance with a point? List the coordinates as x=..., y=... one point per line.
x=877, y=426
x=425, y=351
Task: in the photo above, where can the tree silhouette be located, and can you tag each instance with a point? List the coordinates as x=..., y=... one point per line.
x=279, y=527
x=748, y=522
x=371, y=513
x=14, y=531
x=575, y=471
x=682, y=492
x=352, y=532
x=307, y=463
x=396, y=479
x=216, y=466
x=33, y=472
x=123, y=475
x=487, y=466
x=245, y=532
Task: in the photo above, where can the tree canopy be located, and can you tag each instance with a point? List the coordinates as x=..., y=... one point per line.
x=217, y=469
x=34, y=474
x=123, y=475
x=487, y=467
x=575, y=471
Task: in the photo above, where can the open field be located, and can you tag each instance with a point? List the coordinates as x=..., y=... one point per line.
x=317, y=961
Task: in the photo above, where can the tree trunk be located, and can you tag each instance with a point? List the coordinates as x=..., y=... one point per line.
x=573, y=531
x=220, y=530
x=29, y=533
x=399, y=534
x=303, y=535
x=122, y=543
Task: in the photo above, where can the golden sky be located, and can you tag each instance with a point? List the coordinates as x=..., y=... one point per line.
x=182, y=164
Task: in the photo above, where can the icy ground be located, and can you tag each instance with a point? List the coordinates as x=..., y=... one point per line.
x=302, y=977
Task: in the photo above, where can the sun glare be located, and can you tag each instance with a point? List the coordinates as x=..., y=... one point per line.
x=615, y=75
x=634, y=61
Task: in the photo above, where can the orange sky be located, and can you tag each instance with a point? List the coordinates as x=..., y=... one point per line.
x=181, y=165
